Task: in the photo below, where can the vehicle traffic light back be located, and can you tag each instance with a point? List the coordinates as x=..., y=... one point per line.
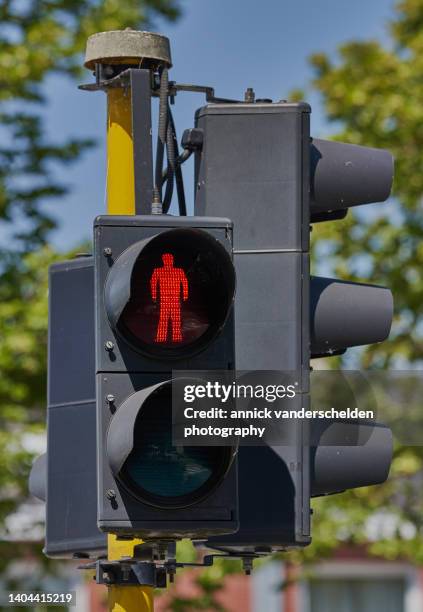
x=65, y=478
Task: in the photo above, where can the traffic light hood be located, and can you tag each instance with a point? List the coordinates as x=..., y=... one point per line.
x=120, y=437
x=38, y=478
x=344, y=314
x=344, y=175
x=361, y=456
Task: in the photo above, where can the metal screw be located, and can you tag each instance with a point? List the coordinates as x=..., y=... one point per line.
x=110, y=398
x=107, y=251
x=109, y=346
x=110, y=494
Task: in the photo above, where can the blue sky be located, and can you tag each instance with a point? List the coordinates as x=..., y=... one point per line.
x=229, y=44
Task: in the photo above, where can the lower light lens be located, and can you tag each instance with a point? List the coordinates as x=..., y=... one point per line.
x=165, y=475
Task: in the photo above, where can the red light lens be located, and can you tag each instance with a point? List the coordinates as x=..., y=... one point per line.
x=169, y=287
x=181, y=292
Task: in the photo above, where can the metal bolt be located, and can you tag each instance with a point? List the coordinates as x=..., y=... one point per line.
x=110, y=494
x=247, y=565
x=249, y=95
x=109, y=346
x=107, y=251
x=156, y=205
x=110, y=398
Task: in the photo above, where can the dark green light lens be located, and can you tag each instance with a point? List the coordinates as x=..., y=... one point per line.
x=167, y=475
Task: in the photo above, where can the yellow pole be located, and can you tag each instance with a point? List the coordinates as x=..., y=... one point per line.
x=127, y=598
x=121, y=201
x=120, y=154
x=124, y=47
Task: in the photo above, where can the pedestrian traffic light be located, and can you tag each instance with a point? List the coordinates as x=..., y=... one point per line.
x=164, y=302
x=259, y=165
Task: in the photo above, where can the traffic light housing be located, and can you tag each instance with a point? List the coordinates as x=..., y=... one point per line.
x=255, y=164
x=259, y=165
x=65, y=476
x=164, y=292
x=164, y=302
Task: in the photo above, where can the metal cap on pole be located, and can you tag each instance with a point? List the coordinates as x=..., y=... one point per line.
x=124, y=62
x=126, y=47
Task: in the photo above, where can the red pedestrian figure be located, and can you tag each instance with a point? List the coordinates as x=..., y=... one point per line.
x=169, y=281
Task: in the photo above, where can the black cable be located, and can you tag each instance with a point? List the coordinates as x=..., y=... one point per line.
x=162, y=133
x=182, y=158
x=171, y=146
x=186, y=154
x=178, y=170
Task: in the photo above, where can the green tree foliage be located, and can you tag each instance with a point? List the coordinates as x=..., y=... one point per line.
x=208, y=583
x=372, y=92
x=37, y=38
x=23, y=316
